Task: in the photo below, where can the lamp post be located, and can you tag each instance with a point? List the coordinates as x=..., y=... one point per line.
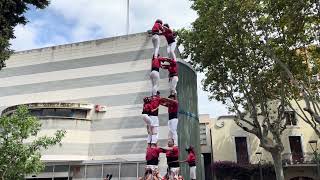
x=314, y=146
x=259, y=155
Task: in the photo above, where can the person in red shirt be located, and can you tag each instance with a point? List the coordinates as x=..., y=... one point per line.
x=191, y=160
x=156, y=31
x=170, y=37
x=150, y=116
x=172, y=154
x=172, y=104
x=154, y=75
x=152, y=157
x=173, y=74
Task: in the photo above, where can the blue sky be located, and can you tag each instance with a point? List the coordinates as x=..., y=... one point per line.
x=67, y=21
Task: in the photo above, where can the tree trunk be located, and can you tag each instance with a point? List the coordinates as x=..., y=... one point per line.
x=277, y=160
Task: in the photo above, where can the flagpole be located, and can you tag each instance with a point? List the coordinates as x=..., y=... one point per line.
x=128, y=17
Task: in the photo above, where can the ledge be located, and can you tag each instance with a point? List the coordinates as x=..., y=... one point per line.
x=46, y=105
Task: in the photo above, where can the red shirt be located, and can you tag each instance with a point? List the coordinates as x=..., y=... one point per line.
x=157, y=27
x=168, y=34
x=174, y=153
x=191, y=159
x=154, y=104
x=173, y=68
x=155, y=64
x=155, y=101
x=173, y=107
x=152, y=153
x=146, y=107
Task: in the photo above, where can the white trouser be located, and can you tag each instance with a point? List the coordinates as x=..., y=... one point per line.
x=152, y=127
x=173, y=81
x=193, y=173
x=156, y=44
x=155, y=77
x=170, y=50
x=152, y=167
x=174, y=173
x=172, y=134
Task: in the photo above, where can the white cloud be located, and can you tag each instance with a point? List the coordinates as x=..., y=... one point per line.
x=28, y=36
x=25, y=37
x=104, y=18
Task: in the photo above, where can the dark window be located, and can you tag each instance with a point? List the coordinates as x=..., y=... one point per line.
x=242, y=150
x=290, y=118
x=59, y=112
x=203, y=134
x=61, y=168
x=94, y=171
x=111, y=169
x=296, y=149
x=128, y=171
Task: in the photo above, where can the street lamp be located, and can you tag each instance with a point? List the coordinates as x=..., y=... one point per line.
x=259, y=156
x=314, y=146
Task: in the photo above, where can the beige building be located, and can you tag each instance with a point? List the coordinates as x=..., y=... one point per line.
x=230, y=143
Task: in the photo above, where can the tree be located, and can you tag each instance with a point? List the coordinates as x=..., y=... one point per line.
x=249, y=52
x=17, y=157
x=12, y=14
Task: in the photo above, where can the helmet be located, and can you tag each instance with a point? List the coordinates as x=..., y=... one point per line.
x=159, y=21
x=166, y=25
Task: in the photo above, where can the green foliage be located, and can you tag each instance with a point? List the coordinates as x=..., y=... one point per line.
x=19, y=145
x=231, y=42
x=12, y=13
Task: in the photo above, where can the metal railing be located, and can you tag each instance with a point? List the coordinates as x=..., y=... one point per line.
x=298, y=158
x=94, y=171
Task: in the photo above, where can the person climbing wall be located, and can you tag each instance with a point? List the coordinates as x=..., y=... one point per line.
x=172, y=154
x=156, y=32
x=154, y=74
x=172, y=103
x=152, y=157
x=171, y=42
x=150, y=116
x=173, y=74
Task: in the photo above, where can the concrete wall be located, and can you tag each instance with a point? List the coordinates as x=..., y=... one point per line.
x=188, y=128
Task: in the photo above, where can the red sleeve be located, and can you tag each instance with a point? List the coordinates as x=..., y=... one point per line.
x=173, y=62
x=174, y=102
x=163, y=102
x=176, y=150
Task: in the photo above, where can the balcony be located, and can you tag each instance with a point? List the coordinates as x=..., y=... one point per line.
x=298, y=159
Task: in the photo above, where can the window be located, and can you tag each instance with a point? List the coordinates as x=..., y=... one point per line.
x=242, y=150
x=59, y=112
x=203, y=134
x=291, y=119
x=296, y=149
x=94, y=171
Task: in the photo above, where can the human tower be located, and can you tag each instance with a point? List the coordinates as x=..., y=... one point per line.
x=151, y=109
